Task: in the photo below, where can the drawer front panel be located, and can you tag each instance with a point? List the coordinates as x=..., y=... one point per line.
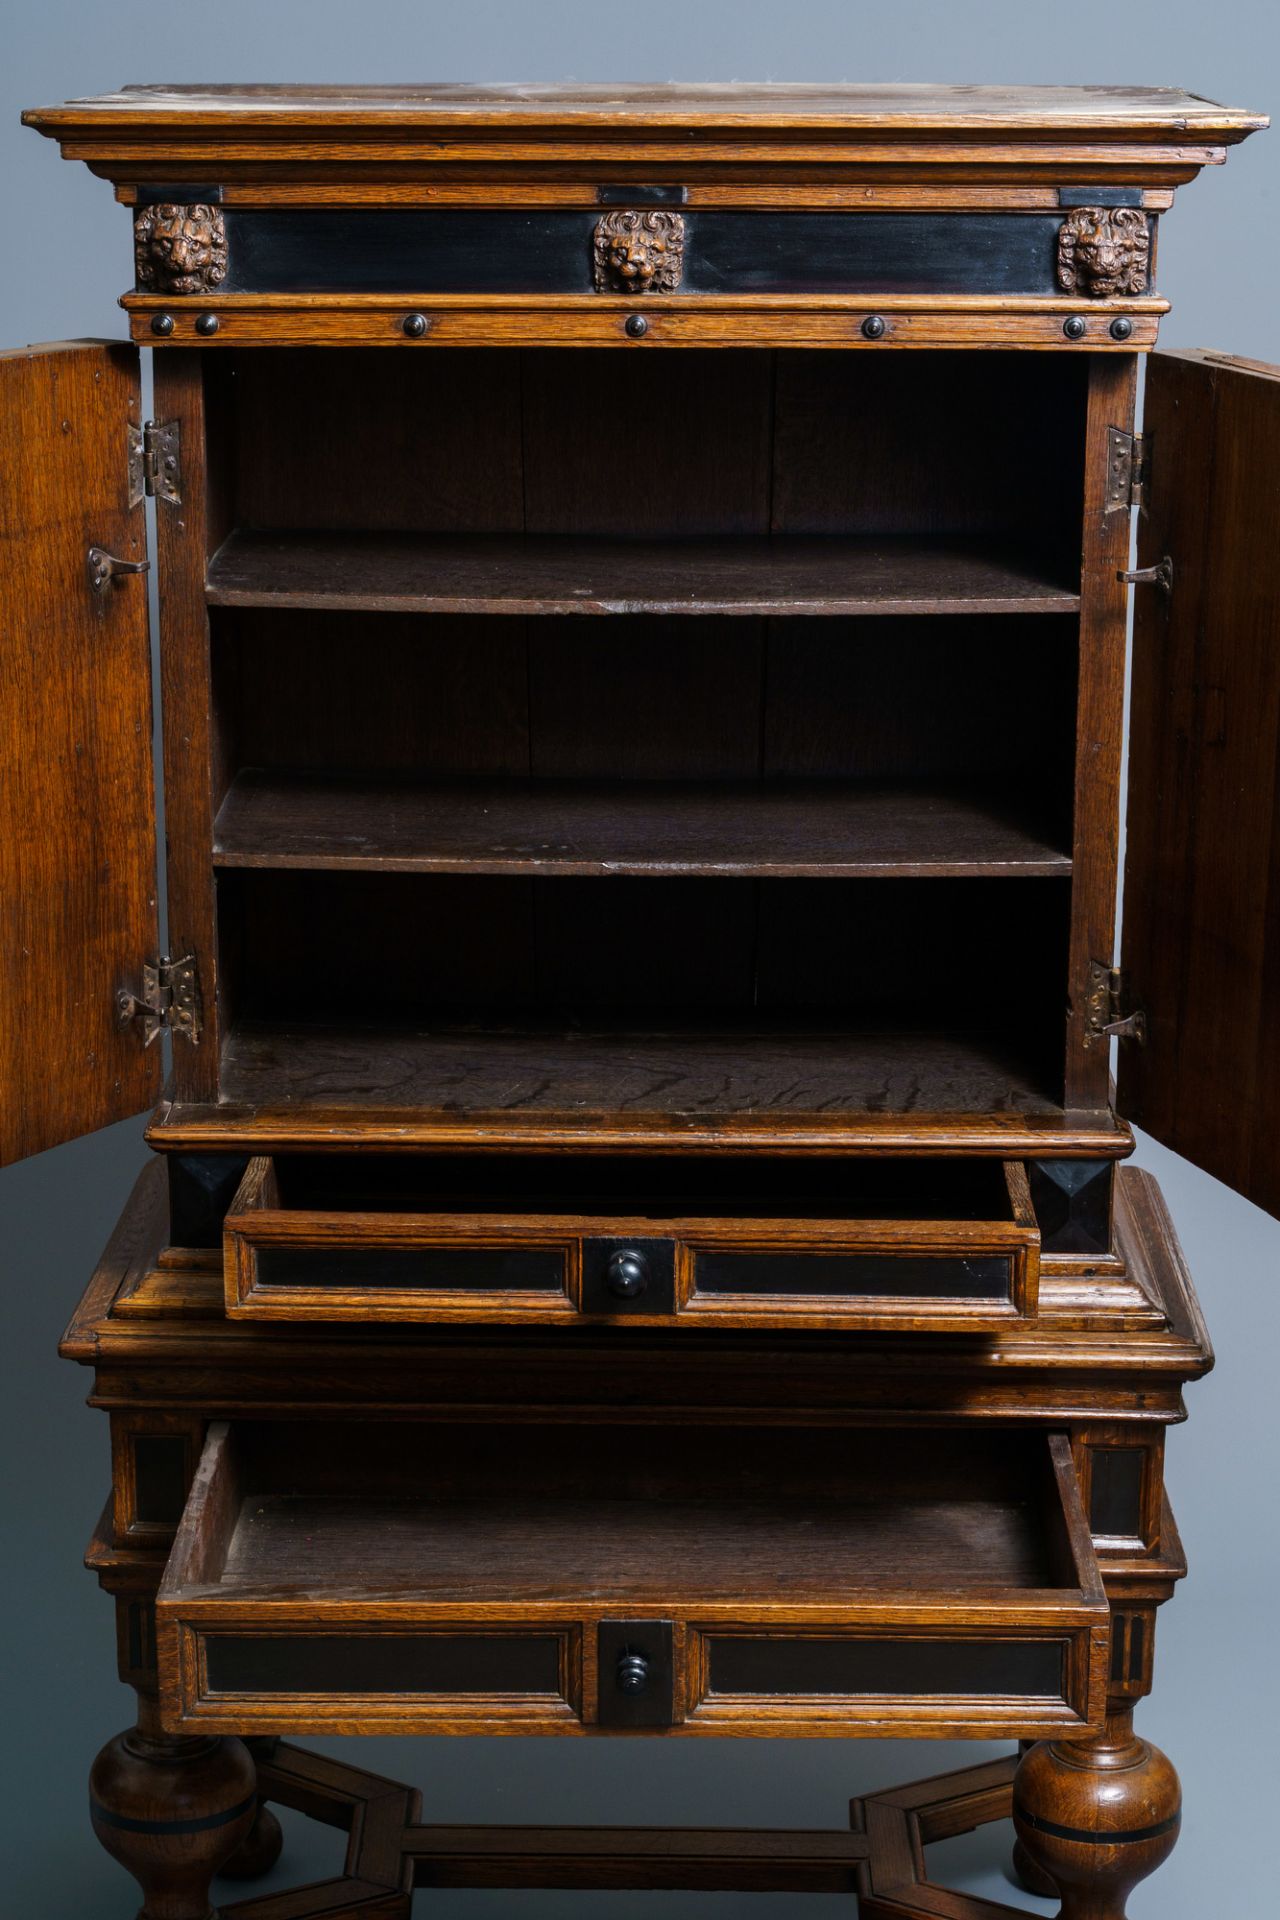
x=289, y=1258
x=642, y=1581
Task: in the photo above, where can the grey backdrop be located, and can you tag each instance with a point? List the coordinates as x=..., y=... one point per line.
x=64, y=248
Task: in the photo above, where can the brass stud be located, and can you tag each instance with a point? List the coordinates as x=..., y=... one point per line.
x=636, y=326
x=1075, y=327
x=414, y=325
x=162, y=323
x=206, y=324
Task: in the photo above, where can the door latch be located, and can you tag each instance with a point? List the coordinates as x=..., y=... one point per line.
x=103, y=567
x=1161, y=575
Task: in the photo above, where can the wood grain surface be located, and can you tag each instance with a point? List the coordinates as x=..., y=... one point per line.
x=77, y=799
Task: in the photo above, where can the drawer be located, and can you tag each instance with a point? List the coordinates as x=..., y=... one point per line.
x=946, y=1245
x=592, y=1579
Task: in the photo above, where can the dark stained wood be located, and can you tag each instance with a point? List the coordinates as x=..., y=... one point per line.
x=269, y=820
x=1202, y=868
x=659, y=701
x=638, y=450
x=949, y=447
x=471, y=574
x=449, y=696
x=360, y=441
x=77, y=831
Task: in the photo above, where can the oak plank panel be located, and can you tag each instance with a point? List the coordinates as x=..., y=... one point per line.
x=77, y=830
x=558, y=575
x=1202, y=868
x=708, y=1859
x=273, y=820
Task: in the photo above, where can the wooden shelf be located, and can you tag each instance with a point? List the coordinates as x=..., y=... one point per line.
x=522, y=1079
x=499, y=574
x=279, y=820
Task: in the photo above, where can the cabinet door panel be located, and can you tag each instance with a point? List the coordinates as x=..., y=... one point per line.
x=1202, y=871
x=77, y=823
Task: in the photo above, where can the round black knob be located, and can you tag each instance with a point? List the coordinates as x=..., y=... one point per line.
x=873, y=327
x=1074, y=327
x=414, y=325
x=627, y=1273
x=162, y=323
x=636, y=326
x=1121, y=327
x=206, y=323
x=633, y=1673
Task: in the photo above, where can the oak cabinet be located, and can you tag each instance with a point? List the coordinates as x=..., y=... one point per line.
x=635, y=1240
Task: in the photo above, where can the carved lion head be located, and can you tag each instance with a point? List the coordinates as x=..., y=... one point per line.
x=1104, y=251
x=180, y=249
x=639, y=252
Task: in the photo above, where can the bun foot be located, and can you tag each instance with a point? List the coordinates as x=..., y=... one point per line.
x=1097, y=1816
x=171, y=1811
x=258, y=1851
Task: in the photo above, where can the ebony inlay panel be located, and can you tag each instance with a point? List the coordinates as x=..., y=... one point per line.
x=549, y=250
x=383, y=1663
x=455, y=1269
x=738, y=1664
x=941, y=1277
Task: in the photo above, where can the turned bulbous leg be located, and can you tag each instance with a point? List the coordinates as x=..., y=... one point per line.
x=1025, y=1871
x=172, y=1811
x=1097, y=1816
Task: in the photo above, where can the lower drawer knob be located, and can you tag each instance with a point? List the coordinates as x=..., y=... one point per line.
x=627, y=1273
x=633, y=1673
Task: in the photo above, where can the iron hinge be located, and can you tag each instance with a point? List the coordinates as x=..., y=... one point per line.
x=155, y=462
x=1105, y=1014
x=1128, y=469
x=170, y=998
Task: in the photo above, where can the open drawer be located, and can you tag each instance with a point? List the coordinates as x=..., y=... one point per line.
x=945, y=1244
x=587, y=1579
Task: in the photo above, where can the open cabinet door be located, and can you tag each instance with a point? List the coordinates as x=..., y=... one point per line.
x=77, y=801
x=1202, y=870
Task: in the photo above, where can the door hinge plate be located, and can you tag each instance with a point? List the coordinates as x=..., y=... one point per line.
x=155, y=462
x=1105, y=1016
x=170, y=998
x=1128, y=469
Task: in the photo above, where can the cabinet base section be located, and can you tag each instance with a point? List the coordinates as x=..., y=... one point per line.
x=880, y=1858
